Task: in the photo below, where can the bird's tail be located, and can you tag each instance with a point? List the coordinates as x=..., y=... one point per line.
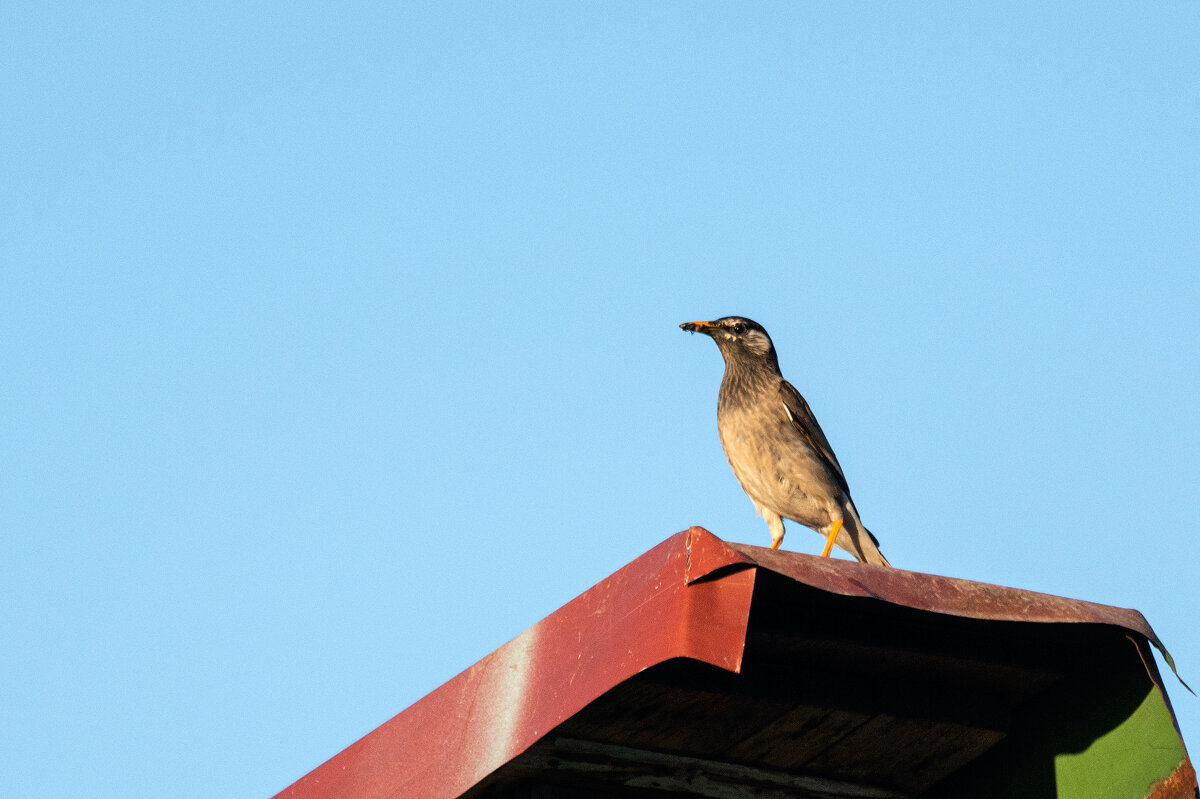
x=858, y=540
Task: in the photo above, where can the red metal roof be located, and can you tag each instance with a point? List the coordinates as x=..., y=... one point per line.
x=691, y=598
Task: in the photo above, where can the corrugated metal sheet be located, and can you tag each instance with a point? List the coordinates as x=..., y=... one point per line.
x=722, y=670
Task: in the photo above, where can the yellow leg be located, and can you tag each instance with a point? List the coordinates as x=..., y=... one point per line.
x=832, y=537
x=775, y=522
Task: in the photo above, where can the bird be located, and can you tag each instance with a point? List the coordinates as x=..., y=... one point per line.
x=777, y=450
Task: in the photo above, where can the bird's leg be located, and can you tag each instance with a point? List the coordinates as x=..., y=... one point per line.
x=775, y=522
x=837, y=525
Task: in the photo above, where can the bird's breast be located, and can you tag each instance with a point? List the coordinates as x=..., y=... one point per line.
x=774, y=465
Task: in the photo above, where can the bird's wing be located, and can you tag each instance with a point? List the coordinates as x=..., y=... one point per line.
x=806, y=425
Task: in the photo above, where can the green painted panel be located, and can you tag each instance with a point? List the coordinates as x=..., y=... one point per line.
x=1123, y=762
x=1102, y=732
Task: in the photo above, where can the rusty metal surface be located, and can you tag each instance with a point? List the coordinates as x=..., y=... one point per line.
x=1180, y=785
x=931, y=592
x=447, y=741
x=689, y=597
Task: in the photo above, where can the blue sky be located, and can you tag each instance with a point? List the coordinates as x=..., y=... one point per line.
x=340, y=342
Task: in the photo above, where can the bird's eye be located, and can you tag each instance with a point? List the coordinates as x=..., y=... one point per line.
x=739, y=329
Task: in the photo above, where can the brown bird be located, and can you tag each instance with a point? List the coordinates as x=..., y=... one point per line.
x=775, y=446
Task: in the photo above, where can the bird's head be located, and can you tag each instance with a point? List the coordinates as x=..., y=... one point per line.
x=742, y=341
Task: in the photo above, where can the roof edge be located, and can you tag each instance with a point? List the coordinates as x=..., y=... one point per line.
x=643, y=614
x=950, y=596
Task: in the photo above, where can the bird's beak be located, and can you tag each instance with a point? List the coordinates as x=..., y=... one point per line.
x=707, y=328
